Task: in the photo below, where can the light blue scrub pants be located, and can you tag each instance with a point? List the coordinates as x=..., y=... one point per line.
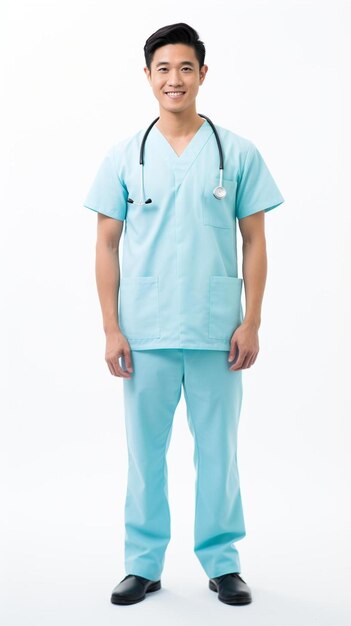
x=213, y=396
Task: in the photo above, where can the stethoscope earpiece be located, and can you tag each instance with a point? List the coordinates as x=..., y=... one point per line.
x=139, y=203
x=219, y=192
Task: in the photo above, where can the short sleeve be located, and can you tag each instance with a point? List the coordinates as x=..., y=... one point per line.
x=107, y=193
x=256, y=189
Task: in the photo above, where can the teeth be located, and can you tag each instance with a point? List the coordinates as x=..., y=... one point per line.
x=174, y=93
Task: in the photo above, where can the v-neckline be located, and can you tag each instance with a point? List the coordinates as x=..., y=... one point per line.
x=191, y=142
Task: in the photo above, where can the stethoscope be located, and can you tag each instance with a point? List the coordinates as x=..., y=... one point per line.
x=219, y=192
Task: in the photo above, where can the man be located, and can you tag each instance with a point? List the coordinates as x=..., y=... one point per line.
x=178, y=321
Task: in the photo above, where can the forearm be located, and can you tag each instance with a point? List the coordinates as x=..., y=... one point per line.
x=254, y=275
x=107, y=280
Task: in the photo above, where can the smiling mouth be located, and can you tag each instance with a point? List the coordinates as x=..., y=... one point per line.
x=174, y=94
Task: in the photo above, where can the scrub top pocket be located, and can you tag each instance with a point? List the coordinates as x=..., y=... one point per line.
x=219, y=213
x=138, y=307
x=225, y=309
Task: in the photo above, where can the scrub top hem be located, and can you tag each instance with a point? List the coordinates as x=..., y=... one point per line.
x=177, y=346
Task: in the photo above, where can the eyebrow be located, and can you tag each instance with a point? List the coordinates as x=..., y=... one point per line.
x=181, y=63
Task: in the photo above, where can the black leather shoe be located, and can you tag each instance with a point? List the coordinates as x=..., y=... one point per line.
x=133, y=589
x=232, y=589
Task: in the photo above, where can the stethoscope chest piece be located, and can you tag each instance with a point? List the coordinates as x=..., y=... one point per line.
x=219, y=192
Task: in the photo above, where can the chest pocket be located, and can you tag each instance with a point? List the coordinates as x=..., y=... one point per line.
x=219, y=213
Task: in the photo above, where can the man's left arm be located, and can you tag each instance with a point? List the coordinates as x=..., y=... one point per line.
x=244, y=342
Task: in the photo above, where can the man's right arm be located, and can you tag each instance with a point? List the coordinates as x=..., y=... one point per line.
x=107, y=273
x=107, y=270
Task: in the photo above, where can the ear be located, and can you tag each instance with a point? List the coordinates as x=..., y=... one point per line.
x=203, y=72
x=148, y=73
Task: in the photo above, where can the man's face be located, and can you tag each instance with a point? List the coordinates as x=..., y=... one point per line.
x=175, y=68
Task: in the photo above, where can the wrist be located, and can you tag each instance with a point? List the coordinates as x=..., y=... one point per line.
x=110, y=330
x=252, y=322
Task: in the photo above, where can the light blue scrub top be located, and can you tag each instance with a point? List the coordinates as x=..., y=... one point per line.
x=179, y=284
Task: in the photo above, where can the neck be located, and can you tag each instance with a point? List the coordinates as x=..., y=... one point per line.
x=179, y=124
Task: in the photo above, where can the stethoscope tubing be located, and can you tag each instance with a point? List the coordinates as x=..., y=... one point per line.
x=221, y=189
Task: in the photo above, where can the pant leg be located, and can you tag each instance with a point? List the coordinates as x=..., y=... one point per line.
x=151, y=396
x=213, y=396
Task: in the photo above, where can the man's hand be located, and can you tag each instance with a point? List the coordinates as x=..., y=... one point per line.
x=118, y=346
x=244, y=346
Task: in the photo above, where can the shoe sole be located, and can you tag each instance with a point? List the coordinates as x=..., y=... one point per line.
x=238, y=600
x=123, y=600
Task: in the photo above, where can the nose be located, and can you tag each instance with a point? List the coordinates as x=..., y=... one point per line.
x=174, y=79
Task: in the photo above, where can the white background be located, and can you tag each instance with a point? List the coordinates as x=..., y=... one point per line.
x=73, y=83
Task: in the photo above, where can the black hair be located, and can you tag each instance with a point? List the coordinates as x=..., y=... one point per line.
x=174, y=33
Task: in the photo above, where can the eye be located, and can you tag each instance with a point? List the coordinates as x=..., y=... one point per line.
x=165, y=68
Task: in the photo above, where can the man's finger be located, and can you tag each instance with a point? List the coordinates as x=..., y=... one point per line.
x=120, y=371
x=238, y=364
x=246, y=362
x=252, y=360
x=233, y=347
x=111, y=368
x=115, y=368
x=128, y=361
